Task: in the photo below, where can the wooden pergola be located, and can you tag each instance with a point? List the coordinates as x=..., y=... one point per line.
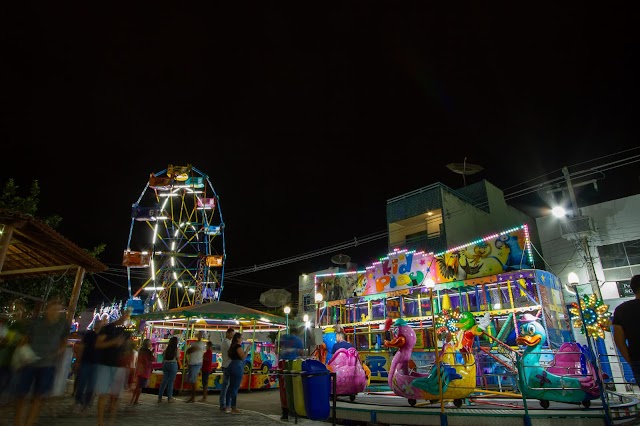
x=29, y=248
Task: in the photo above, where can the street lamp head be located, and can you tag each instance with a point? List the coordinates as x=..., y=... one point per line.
x=429, y=283
x=318, y=297
x=573, y=279
x=559, y=211
x=287, y=310
x=305, y=318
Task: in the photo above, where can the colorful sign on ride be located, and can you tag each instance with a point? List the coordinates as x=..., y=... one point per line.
x=494, y=254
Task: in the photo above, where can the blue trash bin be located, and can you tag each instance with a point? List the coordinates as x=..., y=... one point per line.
x=316, y=385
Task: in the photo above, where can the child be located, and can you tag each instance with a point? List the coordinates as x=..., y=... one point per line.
x=143, y=369
x=207, y=363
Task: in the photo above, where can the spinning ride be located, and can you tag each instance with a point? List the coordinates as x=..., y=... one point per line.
x=177, y=234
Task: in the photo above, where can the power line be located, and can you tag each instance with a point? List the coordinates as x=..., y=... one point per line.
x=384, y=234
x=549, y=183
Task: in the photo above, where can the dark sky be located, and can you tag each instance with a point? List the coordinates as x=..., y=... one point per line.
x=306, y=118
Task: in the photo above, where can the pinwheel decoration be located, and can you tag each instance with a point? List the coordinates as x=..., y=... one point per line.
x=595, y=318
x=446, y=321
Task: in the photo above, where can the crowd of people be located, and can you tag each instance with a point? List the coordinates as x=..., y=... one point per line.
x=104, y=361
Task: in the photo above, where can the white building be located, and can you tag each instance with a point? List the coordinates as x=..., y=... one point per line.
x=608, y=239
x=614, y=246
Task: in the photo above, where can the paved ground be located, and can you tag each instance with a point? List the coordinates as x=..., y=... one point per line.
x=259, y=408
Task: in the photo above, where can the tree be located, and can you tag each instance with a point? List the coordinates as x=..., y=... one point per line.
x=44, y=288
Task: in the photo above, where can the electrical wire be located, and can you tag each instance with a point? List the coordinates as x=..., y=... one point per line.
x=549, y=183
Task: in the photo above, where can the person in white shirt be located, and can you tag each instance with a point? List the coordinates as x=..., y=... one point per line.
x=226, y=344
x=195, y=354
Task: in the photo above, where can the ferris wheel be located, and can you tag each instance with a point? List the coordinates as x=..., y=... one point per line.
x=176, y=241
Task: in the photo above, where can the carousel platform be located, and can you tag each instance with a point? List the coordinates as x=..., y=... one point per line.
x=388, y=409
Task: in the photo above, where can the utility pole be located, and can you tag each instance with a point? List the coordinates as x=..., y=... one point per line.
x=581, y=236
x=579, y=228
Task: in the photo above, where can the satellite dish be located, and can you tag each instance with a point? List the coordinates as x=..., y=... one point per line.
x=464, y=169
x=340, y=259
x=275, y=297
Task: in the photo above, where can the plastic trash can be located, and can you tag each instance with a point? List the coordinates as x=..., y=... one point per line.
x=288, y=386
x=316, y=384
x=298, y=394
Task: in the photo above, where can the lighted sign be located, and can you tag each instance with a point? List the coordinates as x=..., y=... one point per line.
x=402, y=269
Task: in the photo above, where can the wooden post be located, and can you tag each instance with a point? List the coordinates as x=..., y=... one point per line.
x=5, y=240
x=75, y=294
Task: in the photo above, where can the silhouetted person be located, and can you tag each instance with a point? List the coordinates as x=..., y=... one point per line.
x=626, y=329
x=47, y=336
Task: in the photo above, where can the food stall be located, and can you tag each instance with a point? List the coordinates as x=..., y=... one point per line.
x=213, y=319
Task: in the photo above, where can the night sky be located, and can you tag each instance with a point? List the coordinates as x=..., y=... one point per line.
x=307, y=119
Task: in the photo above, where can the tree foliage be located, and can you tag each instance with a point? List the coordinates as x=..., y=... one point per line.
x=44, y=288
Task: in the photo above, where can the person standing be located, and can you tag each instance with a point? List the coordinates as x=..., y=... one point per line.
x=131, y=361
x=236, y=371
x=170, y=365
x=626, y=329
x=207, y=363
x=290, y=347
x=224, y=349
x=47, y=336
x=144, y=366
x=195, y=354
x=88, y=363
x=111, y=372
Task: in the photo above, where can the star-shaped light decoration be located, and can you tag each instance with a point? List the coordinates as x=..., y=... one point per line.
x=596, y=315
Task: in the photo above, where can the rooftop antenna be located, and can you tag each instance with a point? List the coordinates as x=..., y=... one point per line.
x=464, y=169
x=340, y=259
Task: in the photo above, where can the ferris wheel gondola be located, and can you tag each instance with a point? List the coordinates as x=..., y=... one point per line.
x=177, y=228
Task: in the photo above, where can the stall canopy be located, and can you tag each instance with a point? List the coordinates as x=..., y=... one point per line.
x=29, y=248
x=216, y=316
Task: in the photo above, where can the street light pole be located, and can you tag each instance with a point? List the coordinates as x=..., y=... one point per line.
x=287, y=311
x=318, y=299
x=306, y=326
x=575, y=283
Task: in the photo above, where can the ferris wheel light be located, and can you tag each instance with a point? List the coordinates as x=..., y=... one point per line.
x=183, y=235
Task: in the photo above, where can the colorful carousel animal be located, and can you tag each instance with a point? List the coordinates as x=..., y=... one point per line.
x=351, y=377
x=458, y=378
x=561, y=381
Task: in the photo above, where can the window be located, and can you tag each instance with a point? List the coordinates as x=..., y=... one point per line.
x=306, y=302
x=620, y=254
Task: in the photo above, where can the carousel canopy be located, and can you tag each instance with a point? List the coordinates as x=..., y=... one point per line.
x=216, y=316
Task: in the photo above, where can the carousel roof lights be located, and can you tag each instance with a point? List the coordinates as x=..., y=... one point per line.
x=486, y=238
